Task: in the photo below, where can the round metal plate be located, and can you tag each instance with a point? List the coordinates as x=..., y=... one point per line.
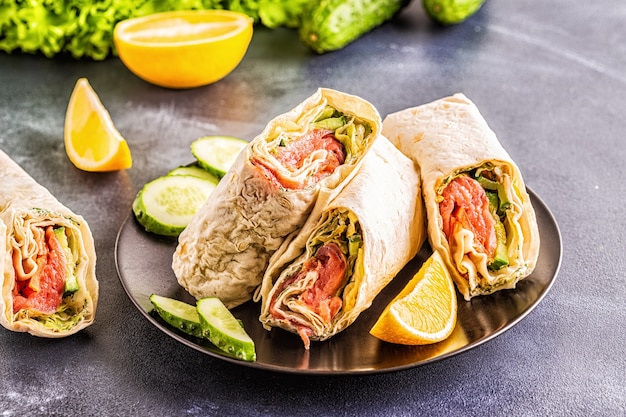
x=144, y=267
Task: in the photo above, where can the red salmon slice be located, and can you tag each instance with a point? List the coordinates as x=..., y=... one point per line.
x=293, y=155
x=465, y=206
x=330, y=265
x=51, y=281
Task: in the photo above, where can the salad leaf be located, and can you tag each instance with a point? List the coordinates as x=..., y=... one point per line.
x=271, y=13
x=84, y=28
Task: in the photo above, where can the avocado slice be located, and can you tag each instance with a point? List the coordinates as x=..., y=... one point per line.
x=332, y=123
x=501, y=257
x=490, y=185
x=71, y=282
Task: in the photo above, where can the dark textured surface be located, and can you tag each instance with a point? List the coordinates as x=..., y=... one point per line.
x=550, y=78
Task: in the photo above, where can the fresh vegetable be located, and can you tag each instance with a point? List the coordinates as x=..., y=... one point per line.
x=178, y=314
x=329, y=25
x=195, y=170
x=84, y=28
x=71, y=281
x=166, y=205
x=208, y=319
x=223, y=330
x=451, y=12
x=501, y=256
x=216, y=154
x=184, y=48
x=271, y=13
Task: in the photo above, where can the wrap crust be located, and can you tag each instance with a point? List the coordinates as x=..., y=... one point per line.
x=450, y=136
x=385, y=197
x=226, y=247
x=26, y=206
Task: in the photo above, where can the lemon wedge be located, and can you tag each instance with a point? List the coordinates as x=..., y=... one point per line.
x=183, y=49
x=424, y=312
x=92, y=142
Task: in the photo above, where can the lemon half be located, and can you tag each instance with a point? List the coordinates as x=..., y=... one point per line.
x=183, y=49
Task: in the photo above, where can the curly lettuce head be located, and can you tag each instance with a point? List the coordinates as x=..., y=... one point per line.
x=81, y=28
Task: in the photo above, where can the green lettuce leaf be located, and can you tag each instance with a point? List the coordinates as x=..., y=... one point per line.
x=84, y=28
x=80, y=28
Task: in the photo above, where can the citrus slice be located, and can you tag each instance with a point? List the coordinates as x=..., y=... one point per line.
x=183, y=49
x=424, y=312
x=223, y=329
x=92, y=142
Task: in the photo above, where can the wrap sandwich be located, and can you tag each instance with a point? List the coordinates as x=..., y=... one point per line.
x=319, y=282
x=49, y=285
x=480, y=216
x=270, y=191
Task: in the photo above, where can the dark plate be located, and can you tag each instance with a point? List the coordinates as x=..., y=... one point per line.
x=144, y=267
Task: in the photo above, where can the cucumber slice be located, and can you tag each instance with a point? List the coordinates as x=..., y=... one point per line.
x=166, y=205
x=195, y=170
x=224, y=330
x=217, y=154
x=178, y=314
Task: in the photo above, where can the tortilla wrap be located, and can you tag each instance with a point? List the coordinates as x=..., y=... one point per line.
x=451, y=143
x=28, y=216
x=377, y=224
x=265, y=196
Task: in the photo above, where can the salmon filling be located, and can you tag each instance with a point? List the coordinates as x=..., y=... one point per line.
x=43, y=292
x=318, y=145
x=328, y=268
x=465, y=206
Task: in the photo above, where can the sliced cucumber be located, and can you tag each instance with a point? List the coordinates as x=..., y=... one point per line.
x=166, y=205
x=224, y=330
x=217, y=154
x=195, y=170
x=178, y=314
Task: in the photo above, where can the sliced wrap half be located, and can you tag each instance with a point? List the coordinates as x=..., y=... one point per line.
x=49, y=285
x=318, y=283
x=480, y=217
x=302, y=156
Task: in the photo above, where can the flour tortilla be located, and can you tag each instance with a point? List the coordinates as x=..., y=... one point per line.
x=225, y=249
x=25, y=208
x=384, y=196
x=448, y=137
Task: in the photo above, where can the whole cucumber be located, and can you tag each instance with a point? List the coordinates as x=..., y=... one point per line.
x=451, y=12
x=329, y=25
